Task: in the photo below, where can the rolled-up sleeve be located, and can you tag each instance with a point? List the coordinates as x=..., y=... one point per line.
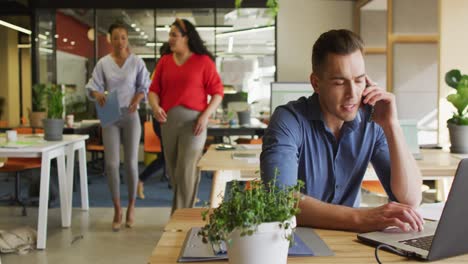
x=280, y=150
x=143, y=79
x=96, y=82
x=381, y=162
x=212, y=80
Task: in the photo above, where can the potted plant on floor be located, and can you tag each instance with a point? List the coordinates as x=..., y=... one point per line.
x=53, y=125
x=458, y=124
x=38, y=103
x=255, y=223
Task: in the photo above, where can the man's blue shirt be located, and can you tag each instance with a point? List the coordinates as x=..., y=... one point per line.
x=299, y=144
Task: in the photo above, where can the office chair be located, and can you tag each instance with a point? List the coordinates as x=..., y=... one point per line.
x=19, y=166
x=152, y=146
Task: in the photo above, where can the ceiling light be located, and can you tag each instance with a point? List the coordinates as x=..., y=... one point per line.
x=200, y=28
x=244, y=31
x=230, y=44
x=72, y=43
x=142, y=33
x=152, y=44
x=47, y=33
x=133, y=25
x=15, y=27
x=24, y=46
x=65, y=39
x=137, y=29
x=56, y=36
x=42, y=36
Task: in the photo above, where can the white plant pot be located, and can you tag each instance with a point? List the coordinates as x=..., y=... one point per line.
x=269, y=244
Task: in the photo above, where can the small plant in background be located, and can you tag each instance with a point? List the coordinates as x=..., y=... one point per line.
x=247, y=208
x=38, y=99
x=459, y=100
x=54, y=102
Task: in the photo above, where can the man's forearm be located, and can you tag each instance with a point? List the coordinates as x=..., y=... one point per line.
x=406, y=177
x=318, y=214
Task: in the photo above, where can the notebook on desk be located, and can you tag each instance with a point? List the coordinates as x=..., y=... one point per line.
x=446, y=238
x=307, y=243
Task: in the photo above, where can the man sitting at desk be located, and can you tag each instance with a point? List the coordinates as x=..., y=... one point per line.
x=328, y=140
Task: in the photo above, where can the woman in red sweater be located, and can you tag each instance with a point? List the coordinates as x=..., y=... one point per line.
x=179, y=99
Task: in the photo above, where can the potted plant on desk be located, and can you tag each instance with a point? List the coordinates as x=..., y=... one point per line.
x=53, y=125
x=458, y=124
x=38, y=103
x=255, y=223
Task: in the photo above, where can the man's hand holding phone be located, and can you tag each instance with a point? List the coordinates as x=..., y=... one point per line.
x=382, y=102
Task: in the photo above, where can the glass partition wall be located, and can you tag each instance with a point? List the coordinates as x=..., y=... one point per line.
x=70, y=41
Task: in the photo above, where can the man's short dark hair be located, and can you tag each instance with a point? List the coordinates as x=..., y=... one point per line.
x=341, y=41
x=117, y=25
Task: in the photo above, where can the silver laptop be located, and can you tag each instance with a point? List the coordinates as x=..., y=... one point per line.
x=446, y=238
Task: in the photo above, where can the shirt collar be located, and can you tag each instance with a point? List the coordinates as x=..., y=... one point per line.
x=315, y=113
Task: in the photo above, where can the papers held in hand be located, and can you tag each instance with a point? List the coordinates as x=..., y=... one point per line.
x=109, y=113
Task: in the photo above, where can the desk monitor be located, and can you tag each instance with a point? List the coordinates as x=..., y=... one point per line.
x=283, y=92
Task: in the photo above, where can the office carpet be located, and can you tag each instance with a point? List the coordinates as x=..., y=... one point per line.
x=156, y=191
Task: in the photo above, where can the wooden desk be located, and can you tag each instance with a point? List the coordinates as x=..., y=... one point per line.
x=60, y=150
x=227, y=169
x=345, y=245
x=436, y=165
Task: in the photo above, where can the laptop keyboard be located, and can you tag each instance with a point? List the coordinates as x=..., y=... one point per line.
x=420, y=242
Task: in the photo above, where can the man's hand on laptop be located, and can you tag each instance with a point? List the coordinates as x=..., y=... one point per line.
x=391, y=214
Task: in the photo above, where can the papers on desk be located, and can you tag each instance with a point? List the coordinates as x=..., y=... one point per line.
x=22, y=144
x=110, y=112
x=306, y=241
x=249, y=146
x=460, y=156
x=431, y=211
x=248, y=157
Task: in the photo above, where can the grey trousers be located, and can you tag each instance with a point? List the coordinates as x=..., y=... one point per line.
x=182, y=150
x=128, y=132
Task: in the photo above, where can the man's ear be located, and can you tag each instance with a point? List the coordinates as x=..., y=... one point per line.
x=314, y=81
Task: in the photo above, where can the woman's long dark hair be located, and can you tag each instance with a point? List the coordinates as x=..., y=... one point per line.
x=195, y=43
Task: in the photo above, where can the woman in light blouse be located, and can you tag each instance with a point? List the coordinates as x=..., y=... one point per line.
x=125, y=73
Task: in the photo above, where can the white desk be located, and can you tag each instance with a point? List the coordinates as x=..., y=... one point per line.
x=436, y=165
x=60, y=150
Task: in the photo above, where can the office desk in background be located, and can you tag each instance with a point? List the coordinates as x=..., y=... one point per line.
x=220, y=131
x=345, y=245
x=60, y=150
x=436, y=165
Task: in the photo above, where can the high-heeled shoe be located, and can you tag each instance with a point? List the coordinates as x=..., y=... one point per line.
x=140, y=190
x=116, y=225
x=129, y=222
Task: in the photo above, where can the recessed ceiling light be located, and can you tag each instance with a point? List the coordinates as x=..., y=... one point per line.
x=137, y=29
x=133, y=25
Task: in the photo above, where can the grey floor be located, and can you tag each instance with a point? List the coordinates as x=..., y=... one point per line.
x=98, y=243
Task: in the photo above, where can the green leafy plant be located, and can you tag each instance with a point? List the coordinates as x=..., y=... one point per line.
x=272, y=5
x=54, y=102
x=459, y=100
x=39, y=93
x=247, y=208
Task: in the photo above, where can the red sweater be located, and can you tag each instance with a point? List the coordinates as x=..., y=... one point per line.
x=186, y=85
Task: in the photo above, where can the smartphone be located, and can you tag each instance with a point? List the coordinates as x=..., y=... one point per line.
x=367, y=107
